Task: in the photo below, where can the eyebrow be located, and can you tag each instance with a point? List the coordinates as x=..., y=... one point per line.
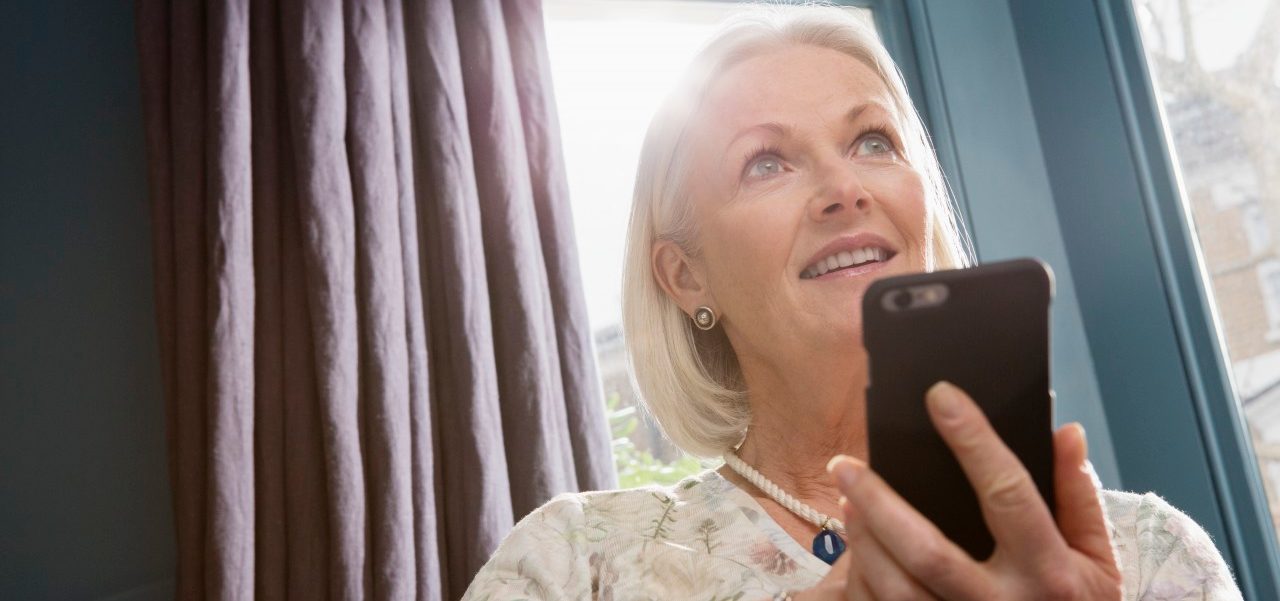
x=784, y=129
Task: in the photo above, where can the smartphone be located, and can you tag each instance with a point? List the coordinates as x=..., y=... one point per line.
x=984, y=329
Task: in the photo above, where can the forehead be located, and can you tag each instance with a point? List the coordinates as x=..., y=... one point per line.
x=795, y=84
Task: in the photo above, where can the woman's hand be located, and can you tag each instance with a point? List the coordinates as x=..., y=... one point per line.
x=896, y=553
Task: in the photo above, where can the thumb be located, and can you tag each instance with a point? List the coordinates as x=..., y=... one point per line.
x=1080, y=516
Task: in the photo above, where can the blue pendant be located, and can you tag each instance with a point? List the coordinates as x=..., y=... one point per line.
x=827, y=546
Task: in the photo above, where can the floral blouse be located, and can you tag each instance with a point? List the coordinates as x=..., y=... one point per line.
x=705, y=539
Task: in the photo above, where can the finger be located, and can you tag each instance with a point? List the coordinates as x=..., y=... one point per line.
x=821, y=592
x=887, y=579
x=856, y=587
x=910, y=539
x=1011, y=504
x=1080, y=515
x=840, y=569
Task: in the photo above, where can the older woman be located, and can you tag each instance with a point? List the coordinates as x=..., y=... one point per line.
x=786, y=173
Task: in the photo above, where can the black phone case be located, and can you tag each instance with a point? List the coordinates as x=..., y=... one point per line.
x=991, y=338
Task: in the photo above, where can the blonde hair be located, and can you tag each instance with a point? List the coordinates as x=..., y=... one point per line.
x=690, y=379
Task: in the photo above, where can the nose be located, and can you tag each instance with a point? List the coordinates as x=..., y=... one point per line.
x=840, y=193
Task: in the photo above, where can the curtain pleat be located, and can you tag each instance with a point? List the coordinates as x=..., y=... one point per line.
x=474, y=500
x=314, y=58
x=307, y=506
x=271, y=533
x=539, y=456
x=421, y=439
x=531, y=68
x=374, y=343
x=229, y=236
x=187, y=153
x=380, y=286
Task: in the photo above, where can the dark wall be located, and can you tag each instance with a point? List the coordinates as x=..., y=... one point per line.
x=84, y=497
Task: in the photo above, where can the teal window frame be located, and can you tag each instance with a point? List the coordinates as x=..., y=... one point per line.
x=1144, y=298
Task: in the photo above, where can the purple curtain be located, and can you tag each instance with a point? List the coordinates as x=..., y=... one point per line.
x=373, y=335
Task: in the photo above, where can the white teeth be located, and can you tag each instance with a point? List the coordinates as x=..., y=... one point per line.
x=845, y=259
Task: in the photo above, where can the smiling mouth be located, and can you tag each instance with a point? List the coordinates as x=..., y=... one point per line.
x=847, y=259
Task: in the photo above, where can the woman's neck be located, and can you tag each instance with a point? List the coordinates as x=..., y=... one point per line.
x=797, y=426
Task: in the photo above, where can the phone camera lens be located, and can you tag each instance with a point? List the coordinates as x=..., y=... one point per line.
x=902, y=299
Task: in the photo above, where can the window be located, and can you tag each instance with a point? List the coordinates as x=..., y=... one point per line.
x=1269, y=287
x=612, y=62
x=1216, y=71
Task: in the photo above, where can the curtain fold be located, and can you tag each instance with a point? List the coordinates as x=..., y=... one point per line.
x=471, y=517
x=539, y=458
x=229, y=299
x=374, y=343
x=531, y=68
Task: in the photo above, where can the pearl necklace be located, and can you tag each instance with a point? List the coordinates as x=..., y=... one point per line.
x=826, y=545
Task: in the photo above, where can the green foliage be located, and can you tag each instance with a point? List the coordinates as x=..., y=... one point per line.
x=638, y=467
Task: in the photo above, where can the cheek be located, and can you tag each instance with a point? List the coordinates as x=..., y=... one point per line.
x=906, y=205
x=747, y=247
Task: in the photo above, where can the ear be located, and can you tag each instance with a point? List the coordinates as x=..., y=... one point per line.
x=679, y=277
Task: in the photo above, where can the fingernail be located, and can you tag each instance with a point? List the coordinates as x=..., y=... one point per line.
x=1084, y=442
x=944, y=399
x=844, y=469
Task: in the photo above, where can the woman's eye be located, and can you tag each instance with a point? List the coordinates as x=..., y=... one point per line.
x=873, y=144
x=765, y=167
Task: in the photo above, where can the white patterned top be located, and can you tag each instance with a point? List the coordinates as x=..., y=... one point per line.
x=706, y=539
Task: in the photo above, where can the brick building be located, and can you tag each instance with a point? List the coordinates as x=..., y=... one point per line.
x=1230, y=191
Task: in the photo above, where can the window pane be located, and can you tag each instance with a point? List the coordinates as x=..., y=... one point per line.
x=612, y=62
x=1216, y=71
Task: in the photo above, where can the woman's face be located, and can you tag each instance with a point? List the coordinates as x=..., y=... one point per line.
x=802, y=196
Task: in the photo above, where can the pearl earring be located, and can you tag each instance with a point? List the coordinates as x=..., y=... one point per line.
x=704, y=318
